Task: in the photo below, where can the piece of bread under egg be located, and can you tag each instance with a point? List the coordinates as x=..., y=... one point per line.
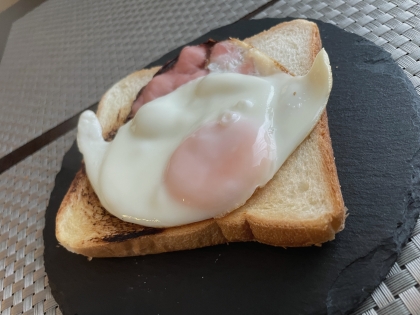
x=301, y=206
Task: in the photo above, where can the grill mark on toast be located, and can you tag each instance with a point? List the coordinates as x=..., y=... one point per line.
x=111, y=135
x=121, y=117
x=126, y=236
x=111, y=229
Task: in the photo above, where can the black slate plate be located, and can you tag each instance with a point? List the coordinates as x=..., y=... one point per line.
x=373, y=118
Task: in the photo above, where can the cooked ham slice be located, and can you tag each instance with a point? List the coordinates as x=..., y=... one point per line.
x=192, y=63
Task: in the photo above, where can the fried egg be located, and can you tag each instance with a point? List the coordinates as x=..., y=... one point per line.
x=200, y=151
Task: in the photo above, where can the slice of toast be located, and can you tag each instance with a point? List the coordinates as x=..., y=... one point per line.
x=301, y=206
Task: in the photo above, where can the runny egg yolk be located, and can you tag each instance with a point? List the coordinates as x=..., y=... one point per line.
x=213, y=167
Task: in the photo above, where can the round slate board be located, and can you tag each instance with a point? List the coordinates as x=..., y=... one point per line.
x=373, y=119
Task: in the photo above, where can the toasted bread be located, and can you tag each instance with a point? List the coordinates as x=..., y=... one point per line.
x=301, y=206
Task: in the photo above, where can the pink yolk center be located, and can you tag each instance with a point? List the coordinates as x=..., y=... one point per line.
x=218, y=167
